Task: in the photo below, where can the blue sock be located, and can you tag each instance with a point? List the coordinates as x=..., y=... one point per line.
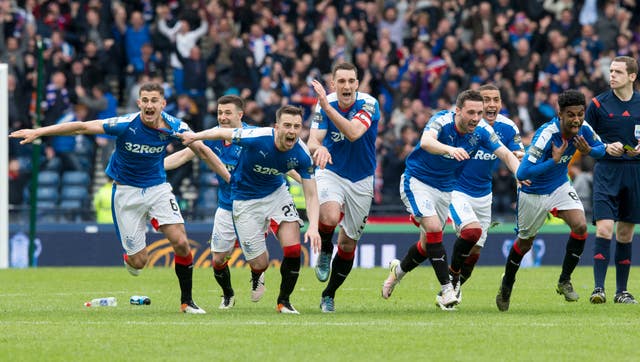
x=601, y=254
x=623, y=265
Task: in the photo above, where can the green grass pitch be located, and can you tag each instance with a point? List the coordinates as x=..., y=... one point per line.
x=42, y=318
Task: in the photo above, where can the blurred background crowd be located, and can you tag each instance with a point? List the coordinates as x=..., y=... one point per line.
x=414, y=56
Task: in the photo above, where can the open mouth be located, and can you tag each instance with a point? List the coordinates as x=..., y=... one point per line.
x=347, y=94
x=490, y=114
x=149, y=112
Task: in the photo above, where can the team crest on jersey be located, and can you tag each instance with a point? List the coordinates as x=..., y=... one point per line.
x=292, y=163
x=494, y=138
x=162, y=136
x=473, y=140
x=535, y=152
x=317, y=117
x=369, y=108
x=517, y=139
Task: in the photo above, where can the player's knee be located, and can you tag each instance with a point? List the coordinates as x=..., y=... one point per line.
x=219, y=260
x=471, y=234
x=137, y=261
x=292, y=251
x=524, y=245
x=579, y=229
x=181, y=246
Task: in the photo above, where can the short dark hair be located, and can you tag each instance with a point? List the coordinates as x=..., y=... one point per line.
x=632, y=64
x=468, y=95
x=571, y=97
x=152, y=87
x=488, y=87
x=343, y=66
x=288, y=109
x=231, y=99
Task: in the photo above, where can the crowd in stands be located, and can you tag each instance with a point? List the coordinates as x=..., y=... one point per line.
x=415, y=56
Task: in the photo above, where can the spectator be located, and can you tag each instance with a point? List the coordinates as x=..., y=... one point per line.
x=102, y=203
x=184, y=39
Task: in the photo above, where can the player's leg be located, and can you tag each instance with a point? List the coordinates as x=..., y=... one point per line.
x=482, y=209
x=331, y=199
x=624, y=237
x=410, y=191
x=330, y=213
x=251, y=222
x=629, y=213
x=183, y=260
x=606, y=188
x=531, y=213
x=283, y=212
x=223, y=239
x=468, y=230
x=165, y=214
x=357, y=203
x=575, y=246
x=130, y=221
x=289, y=236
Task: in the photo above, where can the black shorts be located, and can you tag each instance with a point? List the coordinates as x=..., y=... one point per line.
x=616, y=191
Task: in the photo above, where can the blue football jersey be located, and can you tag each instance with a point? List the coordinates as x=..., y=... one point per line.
x=441, y=171
x=538, y=165
x=261, y=165
x=351, y=160
x=138, y=157
x=229, y=154
x=477, y=174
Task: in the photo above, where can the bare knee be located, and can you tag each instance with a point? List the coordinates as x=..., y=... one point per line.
x=138, y=260
x=219, y=258
x=579, y=229
x=345, y=243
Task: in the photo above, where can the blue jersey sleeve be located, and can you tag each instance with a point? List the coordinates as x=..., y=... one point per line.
x=597, y=146
x=115, y=126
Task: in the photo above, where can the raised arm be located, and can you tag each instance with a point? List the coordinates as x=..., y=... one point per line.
x=64, y=129
x=178, y=159
x=352, y=129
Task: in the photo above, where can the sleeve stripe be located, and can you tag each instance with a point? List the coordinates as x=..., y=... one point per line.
x=595, y=101
x=364, y=117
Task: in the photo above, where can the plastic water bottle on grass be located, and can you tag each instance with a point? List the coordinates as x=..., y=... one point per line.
x=139, y=300
x=102, y=302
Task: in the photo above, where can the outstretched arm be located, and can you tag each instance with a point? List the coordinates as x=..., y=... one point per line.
x=178, y=159
x=65, y=129
x=207, y=155
x=508, y=158
x=208, y=134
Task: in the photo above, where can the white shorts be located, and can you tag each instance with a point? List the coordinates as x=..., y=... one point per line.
x=465, y=209
x=533, y=209
x=422, y=200
x=223, y=236
x=134, y=207
x=355, y=198
x=252, y=218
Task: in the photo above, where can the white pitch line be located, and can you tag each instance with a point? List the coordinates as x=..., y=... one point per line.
x=302, y=323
